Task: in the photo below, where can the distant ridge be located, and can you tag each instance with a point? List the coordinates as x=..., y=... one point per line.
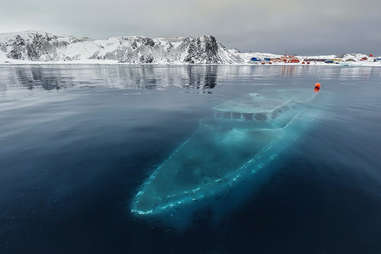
x=42, y=47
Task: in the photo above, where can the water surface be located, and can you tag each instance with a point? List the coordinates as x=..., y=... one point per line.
x=77, y=141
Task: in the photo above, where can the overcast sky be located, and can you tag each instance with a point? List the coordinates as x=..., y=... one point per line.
x=279, y=26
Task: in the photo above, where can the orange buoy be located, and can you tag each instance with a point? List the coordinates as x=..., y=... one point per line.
x=317, y=87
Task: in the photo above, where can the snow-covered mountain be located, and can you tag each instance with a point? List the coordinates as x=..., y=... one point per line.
x=37, y=47
x=41, y=46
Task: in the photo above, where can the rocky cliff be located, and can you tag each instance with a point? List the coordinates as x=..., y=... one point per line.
x=46, y=47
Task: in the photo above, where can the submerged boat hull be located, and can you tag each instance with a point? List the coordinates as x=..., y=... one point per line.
x=220, y=154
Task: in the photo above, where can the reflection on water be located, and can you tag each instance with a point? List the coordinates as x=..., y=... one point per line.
x=118, y=76
x=158, y=77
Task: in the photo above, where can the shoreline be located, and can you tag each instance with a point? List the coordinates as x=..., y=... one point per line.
x=17, y=63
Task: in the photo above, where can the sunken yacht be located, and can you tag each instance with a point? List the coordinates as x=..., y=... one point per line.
x=241, y=138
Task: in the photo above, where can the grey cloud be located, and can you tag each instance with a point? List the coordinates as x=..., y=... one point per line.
x=293, y=26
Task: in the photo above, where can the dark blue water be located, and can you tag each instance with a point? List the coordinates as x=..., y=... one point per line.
x=76, y=142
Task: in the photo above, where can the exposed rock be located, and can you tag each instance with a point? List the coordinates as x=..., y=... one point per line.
x=38, y=46
x=203, y=50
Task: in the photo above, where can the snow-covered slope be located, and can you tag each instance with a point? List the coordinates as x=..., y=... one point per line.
x=40, y=46
x=36, y=47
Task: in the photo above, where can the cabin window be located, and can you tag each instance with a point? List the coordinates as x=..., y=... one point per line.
x=227, y=115
x=218, y=115
x=236, y=115
x=261, y=116
x=248, y=116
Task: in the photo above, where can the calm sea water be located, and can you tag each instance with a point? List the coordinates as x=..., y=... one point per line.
x=77, y=141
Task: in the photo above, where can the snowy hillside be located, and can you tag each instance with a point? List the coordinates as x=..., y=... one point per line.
x=40, y=46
